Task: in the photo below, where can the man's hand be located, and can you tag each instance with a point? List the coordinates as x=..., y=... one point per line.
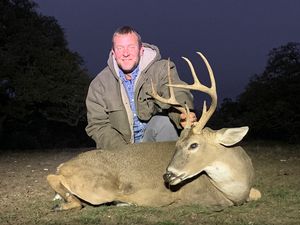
x=193, y=118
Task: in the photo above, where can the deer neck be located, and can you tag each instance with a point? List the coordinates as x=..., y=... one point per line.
x=223, y=176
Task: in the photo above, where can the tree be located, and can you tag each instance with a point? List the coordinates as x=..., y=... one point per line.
x=270, y=104
x=48, y=80
x=227, y=115
x=274, y=109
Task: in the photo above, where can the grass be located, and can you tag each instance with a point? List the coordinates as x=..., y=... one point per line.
x=277, y=169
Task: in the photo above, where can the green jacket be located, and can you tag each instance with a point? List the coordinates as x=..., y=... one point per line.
x=110, y=120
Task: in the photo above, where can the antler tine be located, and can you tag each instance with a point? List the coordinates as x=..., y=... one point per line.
x=188, y=119
x=171, y=100
x=206, y=114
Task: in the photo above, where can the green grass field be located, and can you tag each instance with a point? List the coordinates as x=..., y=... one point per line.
x=27, y=199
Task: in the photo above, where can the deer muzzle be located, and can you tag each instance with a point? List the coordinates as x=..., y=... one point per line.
x=172, y=178
x=168, y=176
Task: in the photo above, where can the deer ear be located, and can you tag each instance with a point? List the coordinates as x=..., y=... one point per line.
x=231, y=136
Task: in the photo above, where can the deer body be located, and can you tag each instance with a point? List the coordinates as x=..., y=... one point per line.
x=102, y=176
x=202, y=167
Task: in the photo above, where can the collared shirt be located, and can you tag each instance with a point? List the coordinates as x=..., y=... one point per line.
x=138, y=126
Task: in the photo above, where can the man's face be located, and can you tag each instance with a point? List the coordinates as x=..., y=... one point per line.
x=127, y=51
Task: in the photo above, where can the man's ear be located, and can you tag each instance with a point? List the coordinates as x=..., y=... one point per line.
x=231, y=136
x=142, y=51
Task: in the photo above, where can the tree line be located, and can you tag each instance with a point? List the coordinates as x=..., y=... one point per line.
x=270, y=103
x=43, y=85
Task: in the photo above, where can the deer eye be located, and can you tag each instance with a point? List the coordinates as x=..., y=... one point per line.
x=193, y=146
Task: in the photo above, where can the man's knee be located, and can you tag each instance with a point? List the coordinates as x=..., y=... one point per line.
x=160, y=128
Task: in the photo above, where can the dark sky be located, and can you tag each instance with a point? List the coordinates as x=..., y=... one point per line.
x=236, y=36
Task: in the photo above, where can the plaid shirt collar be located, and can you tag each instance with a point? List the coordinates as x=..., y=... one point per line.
x=134, y=75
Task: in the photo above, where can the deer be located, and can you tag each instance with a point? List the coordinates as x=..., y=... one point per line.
x=204, y=166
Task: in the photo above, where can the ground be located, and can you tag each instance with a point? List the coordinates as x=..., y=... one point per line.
x=26, y=197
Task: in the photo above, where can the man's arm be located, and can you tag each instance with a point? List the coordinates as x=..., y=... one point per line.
x=99, y=127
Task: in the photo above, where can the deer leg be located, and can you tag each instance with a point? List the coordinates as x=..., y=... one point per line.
x=71, y=201
x=254, y=195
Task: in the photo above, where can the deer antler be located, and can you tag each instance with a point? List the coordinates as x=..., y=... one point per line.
x=171, y=100
x=206, y=114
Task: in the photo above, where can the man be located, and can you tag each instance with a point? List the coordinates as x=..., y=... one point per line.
x=119, y=107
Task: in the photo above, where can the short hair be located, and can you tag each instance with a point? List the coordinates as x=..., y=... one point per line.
x=127, y=30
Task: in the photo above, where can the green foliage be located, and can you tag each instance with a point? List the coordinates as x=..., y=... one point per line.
x=40, y=77
x=270, y=104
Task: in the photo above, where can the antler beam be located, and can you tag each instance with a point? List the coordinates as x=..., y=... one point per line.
x=172, y=100
x=198, y=86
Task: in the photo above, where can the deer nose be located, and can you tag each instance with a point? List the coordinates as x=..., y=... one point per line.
x=168, y=175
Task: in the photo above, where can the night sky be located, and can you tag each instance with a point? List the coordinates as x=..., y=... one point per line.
x=235, y=36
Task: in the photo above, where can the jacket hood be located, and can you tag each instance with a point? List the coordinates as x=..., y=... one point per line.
x=150, y=55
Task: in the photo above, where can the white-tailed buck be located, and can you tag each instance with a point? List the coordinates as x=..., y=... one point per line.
x=200, y=168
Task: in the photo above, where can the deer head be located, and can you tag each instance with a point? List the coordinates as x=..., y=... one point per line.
x=198, y=146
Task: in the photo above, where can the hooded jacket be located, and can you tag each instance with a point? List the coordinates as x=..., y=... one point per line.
x=110, y=119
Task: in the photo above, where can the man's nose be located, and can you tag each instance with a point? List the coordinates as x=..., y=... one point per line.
x=126, y=52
